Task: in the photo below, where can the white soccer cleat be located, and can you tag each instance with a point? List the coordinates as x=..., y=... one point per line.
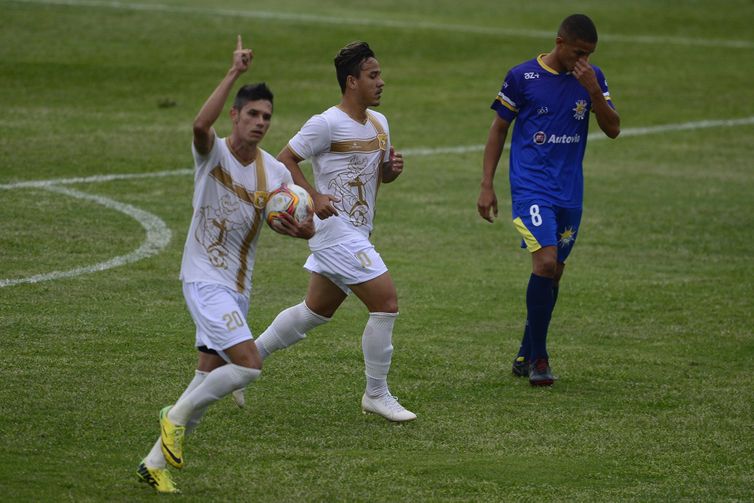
x=386, y=406
x=239, y=397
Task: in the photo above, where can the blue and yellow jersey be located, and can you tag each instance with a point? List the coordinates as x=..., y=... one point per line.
x=551, y=112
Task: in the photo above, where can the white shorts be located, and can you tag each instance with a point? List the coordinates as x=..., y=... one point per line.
x=219, y=314
x=348, y=263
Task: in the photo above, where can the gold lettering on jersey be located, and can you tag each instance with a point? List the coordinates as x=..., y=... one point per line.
x=354, y=146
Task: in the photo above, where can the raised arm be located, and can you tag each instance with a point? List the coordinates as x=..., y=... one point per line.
x=493, y=149
x=204, y=134
x=607, y=118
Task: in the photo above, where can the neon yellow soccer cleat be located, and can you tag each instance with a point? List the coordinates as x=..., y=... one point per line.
x=172, y=439
x=159, y=478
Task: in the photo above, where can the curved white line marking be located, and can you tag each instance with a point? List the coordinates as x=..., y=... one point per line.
x=158, y=237
x=385, y=23
x=158, y=234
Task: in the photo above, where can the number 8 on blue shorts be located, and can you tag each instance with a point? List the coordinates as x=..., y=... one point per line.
x=541, y=224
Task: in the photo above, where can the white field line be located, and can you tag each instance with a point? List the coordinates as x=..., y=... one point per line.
x=413, y=152
x=43, y=184
x=595, y=136
x=158, y=233
x=158, y=237
x=293, y=17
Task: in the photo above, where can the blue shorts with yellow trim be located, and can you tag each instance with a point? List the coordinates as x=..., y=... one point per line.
x=542, y=224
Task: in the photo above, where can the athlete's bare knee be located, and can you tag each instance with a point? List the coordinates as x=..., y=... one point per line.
x=250, y=362
x=544, y=262
x=380, y=302
x=326, y=310
x=545, y=268
x=245, y=354
x=390, y=306
x=323, y=297
x=209, y=362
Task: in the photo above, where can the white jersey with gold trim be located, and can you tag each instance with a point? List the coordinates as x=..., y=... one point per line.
x=346, y=158
x=228, y=204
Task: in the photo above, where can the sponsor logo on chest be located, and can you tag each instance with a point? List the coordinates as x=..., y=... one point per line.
x=540, y=138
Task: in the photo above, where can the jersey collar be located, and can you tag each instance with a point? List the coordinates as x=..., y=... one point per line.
x=544, y=66
x=238, y=157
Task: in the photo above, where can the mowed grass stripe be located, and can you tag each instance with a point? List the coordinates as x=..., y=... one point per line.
x=417, y=151
x=386, y=23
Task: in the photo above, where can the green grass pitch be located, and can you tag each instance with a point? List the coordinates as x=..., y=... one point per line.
x=652, y=336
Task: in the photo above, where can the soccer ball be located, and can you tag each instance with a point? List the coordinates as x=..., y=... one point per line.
x=288, y=198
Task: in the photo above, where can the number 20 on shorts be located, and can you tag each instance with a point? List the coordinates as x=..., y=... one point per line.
x=233, y=320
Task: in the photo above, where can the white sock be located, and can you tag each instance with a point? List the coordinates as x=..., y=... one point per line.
x=288, y=328
x=220, y=382
x=155, y=459
x=377, y=346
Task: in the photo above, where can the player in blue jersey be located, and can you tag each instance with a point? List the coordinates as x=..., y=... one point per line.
x=550, y=98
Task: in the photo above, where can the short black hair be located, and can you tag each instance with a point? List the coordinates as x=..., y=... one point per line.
x=252, y=92
x=349, y=59
x=578, y=27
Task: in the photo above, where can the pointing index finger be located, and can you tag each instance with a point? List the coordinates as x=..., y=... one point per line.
x=239, y=44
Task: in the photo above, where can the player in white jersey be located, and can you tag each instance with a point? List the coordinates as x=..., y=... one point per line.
x=231, y=181
x=349, y=146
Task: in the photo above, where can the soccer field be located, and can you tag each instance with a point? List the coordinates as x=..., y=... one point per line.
x=652, y=337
